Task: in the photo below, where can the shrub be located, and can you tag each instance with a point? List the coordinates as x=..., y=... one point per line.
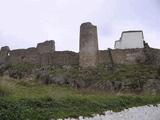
x=4, y=89
x=3, y=68
x=16, y=74
x=43, y=77
x=19, y=71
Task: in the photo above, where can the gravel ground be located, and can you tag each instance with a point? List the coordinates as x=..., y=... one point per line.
x=136, y=113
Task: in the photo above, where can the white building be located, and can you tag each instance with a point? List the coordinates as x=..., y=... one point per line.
x=130, y=39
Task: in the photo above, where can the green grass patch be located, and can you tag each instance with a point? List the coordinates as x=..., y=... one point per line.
x=30, y=100
x=47, y=108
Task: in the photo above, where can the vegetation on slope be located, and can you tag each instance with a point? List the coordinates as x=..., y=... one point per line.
x=139, y=79
x=31, y=100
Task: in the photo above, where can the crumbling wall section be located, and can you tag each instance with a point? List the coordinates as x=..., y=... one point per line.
x=46, y=47
x=60, y=58
x=65, y=58
x=152, y=56
x=32, y=56
x=29, y=55
x=126, y=56
x=103, y=57
x=129, y=56
x=119, y=56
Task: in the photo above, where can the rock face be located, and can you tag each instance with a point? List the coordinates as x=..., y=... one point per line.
x=62, y=79
x=46, y=47
x=88, y=45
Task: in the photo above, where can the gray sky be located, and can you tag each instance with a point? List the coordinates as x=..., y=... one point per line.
x=24, y=23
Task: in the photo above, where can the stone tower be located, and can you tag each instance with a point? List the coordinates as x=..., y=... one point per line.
x=88, y=56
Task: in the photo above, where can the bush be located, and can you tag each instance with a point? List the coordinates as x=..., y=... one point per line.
x=19, y=71
x=3, y=68
x=49, y=108
x=43, y=77
x=16, y=74
x=4, y=89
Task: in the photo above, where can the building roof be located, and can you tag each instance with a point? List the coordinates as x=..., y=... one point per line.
x=131, y=31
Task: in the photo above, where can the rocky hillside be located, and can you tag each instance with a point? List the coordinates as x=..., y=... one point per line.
x=137, y=79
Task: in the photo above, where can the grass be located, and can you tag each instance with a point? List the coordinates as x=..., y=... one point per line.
x=30, y=100
x=5, y=88
x=97, y=78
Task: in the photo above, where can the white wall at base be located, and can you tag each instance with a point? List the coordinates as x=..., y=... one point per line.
x=130, y=39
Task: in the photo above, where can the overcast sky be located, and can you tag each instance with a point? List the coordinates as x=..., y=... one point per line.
x=24, y=23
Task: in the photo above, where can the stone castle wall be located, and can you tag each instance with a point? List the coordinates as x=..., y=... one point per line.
x=152, y=56
x=89, y=55
x=149, y=56
x=46, y=47
x=127, y=56
x=41, y=55
x=29, y=55
x=60, y=58
x=56, y=58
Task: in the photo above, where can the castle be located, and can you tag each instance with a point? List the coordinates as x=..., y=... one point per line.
x=136, y=51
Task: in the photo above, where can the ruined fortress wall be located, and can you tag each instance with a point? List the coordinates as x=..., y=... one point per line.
x=129, y=56
x=103, y=57
x=33, y=57
x=88, y=55
x=126, y=56
x=46, y=47
x=60, y=58
x=156, y=53
x=152, y=56
x=24, y=56
x=65, y=58
x=43, y=54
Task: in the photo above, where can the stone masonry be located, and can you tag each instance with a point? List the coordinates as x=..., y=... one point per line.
x=88, y=56
x=4, y=53
x=46, y=47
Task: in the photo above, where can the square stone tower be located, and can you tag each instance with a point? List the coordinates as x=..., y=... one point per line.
x=88, y=56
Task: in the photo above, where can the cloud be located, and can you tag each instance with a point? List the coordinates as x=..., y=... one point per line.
x=27, y=22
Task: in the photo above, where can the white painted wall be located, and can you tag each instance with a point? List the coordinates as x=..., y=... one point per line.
x=130, y=39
